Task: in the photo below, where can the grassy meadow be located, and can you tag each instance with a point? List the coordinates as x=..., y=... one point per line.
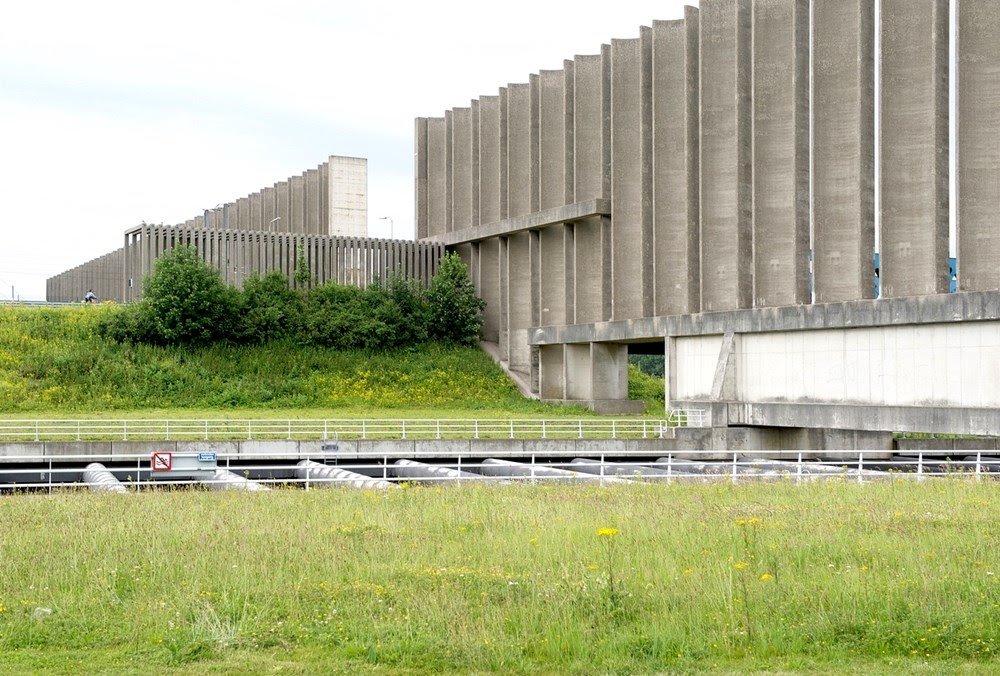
x=52, y=364
x=832, y=577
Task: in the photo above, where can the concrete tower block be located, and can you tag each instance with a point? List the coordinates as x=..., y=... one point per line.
x=437, y=191
x=913, y=167
x=312, y=222
x=518, y=149
x=348, y=196
x=631, y=138
x=726, y=172
x=843, y=150
x=676, y=277
x=461, y=168
x=978, y=156
x=324, y=197
x=489, y=159
x=781, y=152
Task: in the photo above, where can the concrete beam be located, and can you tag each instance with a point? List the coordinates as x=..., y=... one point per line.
x=570, y=213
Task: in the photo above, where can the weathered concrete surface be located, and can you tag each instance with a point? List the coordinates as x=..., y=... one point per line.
x=489, y=159
x=977, y=156
x=569, y=213
x=781, y=152
x=913, y=167
x=676, y=251
x=726, y=188
x=843, y=149
x=631, y=223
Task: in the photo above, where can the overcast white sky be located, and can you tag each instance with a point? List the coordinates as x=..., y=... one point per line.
x=117, y=112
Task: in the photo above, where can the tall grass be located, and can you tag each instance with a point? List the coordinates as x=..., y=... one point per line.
x=639, y=578
x=51, y=360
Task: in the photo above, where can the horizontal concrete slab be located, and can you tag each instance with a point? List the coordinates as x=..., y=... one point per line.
x=533, y=221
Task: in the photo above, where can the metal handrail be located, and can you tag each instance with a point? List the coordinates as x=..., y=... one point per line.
x=134, y=470
x=362, y=428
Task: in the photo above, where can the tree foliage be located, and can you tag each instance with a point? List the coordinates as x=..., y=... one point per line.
x=455, y=310
x=186, y=303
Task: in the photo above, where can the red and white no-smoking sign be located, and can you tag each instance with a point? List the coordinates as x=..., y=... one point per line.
x=162, y=461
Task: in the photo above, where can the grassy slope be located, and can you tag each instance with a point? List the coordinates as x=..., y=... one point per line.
x=53, y=365
x=884, y=578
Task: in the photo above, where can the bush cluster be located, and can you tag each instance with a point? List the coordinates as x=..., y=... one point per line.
x=185, y=302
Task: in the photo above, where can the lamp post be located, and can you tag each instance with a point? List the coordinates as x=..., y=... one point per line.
x=272, y=222
x=388, y=218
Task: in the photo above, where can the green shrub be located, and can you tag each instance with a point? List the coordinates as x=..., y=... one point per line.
x=189, y=302
x=455, y=311
x=271, y=310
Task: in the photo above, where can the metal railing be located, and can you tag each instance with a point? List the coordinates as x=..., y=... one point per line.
x=378, y=429
x=135, y=473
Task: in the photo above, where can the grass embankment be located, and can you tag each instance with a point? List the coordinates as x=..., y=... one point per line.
x=882, y=578
x=53, y=364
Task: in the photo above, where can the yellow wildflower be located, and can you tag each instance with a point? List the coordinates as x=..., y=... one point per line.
x=607, y=532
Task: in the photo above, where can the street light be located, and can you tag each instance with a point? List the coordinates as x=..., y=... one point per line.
x=388, y=218
x=272, y=222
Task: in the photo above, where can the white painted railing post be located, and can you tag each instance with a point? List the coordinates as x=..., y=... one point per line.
x=861, y=466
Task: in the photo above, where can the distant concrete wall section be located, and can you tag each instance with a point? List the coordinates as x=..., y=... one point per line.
x=328, y=201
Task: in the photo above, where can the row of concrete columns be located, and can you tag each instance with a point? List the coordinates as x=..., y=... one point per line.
x=331, y=199
x=238, y=255
x=698, y=132
x=102, y=275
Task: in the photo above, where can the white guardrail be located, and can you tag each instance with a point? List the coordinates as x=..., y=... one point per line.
x=377, y=429
x=242, y=471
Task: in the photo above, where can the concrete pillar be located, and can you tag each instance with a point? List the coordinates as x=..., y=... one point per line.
x=296, y=205
x=489, y=159
x=591, y=271
x=520, y=306
x=437, y=194
x=420, y=177
x=726, y=174
x=676, y=276
x=461, y=168
x=913, y=166
x=592, y=126
x=631, y=231
x=489, y=280
x=781, y=152
x=977, y=156
x=555, y=137
x=283, y=208
x=256, y=212
x=843, y=150
x=519, y=155
x=312, y=206
x=552, y=371
x=268, y=210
